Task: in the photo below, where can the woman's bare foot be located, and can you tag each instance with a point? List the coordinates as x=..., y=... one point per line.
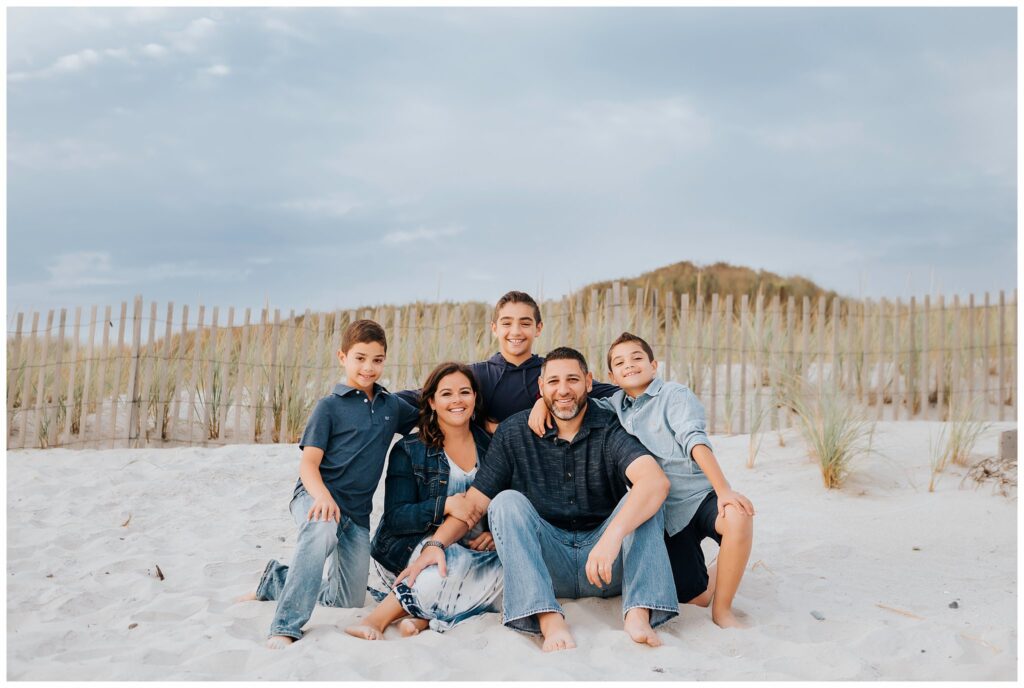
x=279, y=642
x=727, y=618
x=411, y=627
x=247, y=597
x=556, y=632
x=638, y=625
x=366, y=632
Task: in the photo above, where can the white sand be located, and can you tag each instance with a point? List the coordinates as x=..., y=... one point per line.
x=83, y=600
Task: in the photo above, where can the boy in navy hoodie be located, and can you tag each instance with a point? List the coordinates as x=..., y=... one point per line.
x=508, y=379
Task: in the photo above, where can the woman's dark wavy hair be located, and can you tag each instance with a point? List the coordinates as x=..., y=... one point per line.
x=430, y=430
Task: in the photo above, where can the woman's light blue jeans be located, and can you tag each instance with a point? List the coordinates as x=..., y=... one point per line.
x=345, y=547
x=542, y=562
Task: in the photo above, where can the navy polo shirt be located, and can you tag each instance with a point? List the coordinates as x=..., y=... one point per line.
x=355, y=434
x=573, y=485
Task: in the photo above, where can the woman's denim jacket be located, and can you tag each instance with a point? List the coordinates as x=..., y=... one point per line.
x=415, y=490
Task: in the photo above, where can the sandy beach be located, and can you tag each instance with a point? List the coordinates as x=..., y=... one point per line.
x=846, y=584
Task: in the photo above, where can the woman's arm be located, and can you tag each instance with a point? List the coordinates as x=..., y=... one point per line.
x=405, y=512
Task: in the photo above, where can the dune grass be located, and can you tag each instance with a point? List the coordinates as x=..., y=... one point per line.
x=957, y=439
x=833, y=427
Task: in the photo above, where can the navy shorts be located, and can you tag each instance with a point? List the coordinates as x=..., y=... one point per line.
x=684, y=553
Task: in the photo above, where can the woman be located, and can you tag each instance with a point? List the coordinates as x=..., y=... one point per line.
x=428, y=474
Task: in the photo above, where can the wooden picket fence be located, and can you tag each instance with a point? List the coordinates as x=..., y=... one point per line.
x=155, y=376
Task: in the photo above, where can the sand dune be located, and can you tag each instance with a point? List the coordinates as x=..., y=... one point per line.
x=848, y=584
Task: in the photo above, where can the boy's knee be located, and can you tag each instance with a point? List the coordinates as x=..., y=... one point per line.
x=323, y=533
x=738, y=523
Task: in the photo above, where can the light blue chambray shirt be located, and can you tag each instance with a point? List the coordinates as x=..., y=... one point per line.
x=669, y=420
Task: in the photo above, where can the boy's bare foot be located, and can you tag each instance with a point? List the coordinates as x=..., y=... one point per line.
x=727, y=619
x=365, y=632
x=247, y=597
x=556, y=632
x=411, y=627
x=638, y=626
x=279, y=642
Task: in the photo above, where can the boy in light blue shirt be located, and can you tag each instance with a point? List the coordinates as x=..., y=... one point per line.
x=669, y=420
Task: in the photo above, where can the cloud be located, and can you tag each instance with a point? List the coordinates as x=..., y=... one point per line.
x=81, y=269
x=217, y=70
x=75, y=62
x=672, y=121
x=278, y=26
x=421, y=234
x=328, y=206
x=154, y=50
x=188, y=39
x=62, y=154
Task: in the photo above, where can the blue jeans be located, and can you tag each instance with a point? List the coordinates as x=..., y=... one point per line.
x=542, y=562
x=299, y=587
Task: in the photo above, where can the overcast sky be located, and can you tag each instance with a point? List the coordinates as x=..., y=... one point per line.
x=329, y=158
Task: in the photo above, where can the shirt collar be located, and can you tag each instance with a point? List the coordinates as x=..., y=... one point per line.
x=342, y=390
x=591, y=418
x=652, y=391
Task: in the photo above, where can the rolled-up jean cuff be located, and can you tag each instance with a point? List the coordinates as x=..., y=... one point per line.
x=261, y=592
x=527, y=627
x=296, y=635
x=659, y=615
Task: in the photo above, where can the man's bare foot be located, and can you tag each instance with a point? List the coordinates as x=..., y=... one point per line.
x=556, y=632
x=279, y=642
x=727, y=619
x=247, y=597
x=411, y=627
x=638, y=626
x=366, y=632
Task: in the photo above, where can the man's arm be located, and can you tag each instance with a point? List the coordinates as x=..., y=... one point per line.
x=650, y=487
x=450, y=531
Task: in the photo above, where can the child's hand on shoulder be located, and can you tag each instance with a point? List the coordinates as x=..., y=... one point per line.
x=540, y=418
x=733, y=497
x=324, y=509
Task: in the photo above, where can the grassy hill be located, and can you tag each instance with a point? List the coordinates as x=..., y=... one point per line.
x=720, y=278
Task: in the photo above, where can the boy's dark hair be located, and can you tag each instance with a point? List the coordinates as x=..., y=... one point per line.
x=363, y=332
x=430, y=429
x=564, y=353
x=630, y=337
x=516, y=297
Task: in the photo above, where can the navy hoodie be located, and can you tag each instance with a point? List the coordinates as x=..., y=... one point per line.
x=507, y=388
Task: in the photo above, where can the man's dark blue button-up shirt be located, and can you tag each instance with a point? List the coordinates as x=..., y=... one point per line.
x=573, y=485
x=355, y=434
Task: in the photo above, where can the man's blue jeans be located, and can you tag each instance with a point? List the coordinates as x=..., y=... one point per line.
x=297, y=588
x=542, y=562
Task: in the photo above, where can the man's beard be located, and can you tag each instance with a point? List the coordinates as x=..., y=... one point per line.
x=562, y=413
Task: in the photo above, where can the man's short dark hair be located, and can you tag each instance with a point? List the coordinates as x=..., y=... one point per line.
x=564, y=353
x=363, y=332
x=630, y=337
x=516, y=297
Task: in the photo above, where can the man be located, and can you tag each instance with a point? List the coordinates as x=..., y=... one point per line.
x=562, y=519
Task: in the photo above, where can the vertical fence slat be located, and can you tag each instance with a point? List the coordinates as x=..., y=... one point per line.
x=925, y=371
x=115, y=399
x=1002, y=355
x=986, y=355
x=729, y=396
x=163, y=402
x=940, y=384
x=41, y=383
x=134, y=371
x=146, y=365
x=243, y=390
x=790, y=344
x=65, y=436
x=56, y=386
x=193, y=378
x=896, y=360
x=230, y=377
x=880, y=362
x=670, y=302
x=744, y=348
x=25, y=384
x=177, y=376
x=13, y=364
x=955, y=385
x=714, y=362
x=773, y=358
x=971, y=349
x=83, y=432
x=912, y=358
x=805, y=339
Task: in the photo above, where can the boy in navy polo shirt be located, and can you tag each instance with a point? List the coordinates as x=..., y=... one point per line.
x=508, y=379
x=343, y=449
